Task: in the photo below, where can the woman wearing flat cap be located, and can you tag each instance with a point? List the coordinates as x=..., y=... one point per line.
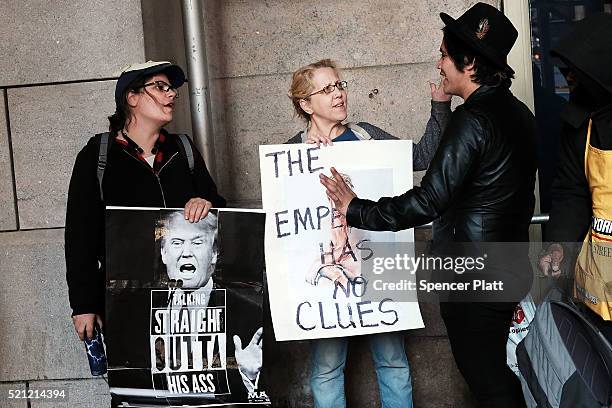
x=137, y=164
x=480, y=185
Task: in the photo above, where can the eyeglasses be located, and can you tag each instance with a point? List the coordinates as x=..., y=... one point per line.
x=341, y=85
x=163, y=87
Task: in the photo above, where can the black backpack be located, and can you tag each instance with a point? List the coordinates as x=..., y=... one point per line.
x=184, y=148
x=565, y=361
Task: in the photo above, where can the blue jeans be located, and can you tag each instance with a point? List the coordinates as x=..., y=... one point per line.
x=328, y=358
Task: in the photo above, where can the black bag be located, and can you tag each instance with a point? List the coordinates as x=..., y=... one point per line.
x=565, y=361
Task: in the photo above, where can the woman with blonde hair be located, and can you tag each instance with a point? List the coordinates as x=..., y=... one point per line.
x=319, y=96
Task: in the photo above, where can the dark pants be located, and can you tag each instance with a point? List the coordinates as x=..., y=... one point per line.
x=478, y=333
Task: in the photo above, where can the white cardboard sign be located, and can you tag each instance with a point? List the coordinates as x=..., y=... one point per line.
x=313, y=259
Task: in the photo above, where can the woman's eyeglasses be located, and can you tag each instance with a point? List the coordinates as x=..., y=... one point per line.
x=341, y=85
x=163, y=87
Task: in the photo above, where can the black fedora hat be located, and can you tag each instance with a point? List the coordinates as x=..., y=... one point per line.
x=588, y=47
x=486, y=30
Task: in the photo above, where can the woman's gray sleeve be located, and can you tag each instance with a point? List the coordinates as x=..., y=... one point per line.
x=424, y=150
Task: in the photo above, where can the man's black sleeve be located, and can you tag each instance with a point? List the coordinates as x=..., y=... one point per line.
x=570, y=214
x=452, y=163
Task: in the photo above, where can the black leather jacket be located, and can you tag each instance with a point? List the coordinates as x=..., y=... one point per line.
x=480, y=181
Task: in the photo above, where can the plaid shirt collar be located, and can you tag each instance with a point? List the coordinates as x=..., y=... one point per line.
x=163, y=154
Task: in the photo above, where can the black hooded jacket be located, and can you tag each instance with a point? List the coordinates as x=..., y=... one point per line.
x=130, y=182
x=588, y=53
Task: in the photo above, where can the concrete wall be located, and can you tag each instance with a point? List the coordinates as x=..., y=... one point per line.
x=59, y=62
x=253, y=47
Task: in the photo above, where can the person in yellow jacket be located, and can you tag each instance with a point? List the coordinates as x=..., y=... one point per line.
x=582, y=190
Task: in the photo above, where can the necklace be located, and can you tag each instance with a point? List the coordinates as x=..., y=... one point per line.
x=135, y=146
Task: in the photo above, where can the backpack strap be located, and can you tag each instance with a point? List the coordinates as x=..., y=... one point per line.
x=187, y=150
x=102, y=160
x=359, y=131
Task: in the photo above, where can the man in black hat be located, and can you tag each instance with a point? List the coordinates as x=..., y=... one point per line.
x=480, y=184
